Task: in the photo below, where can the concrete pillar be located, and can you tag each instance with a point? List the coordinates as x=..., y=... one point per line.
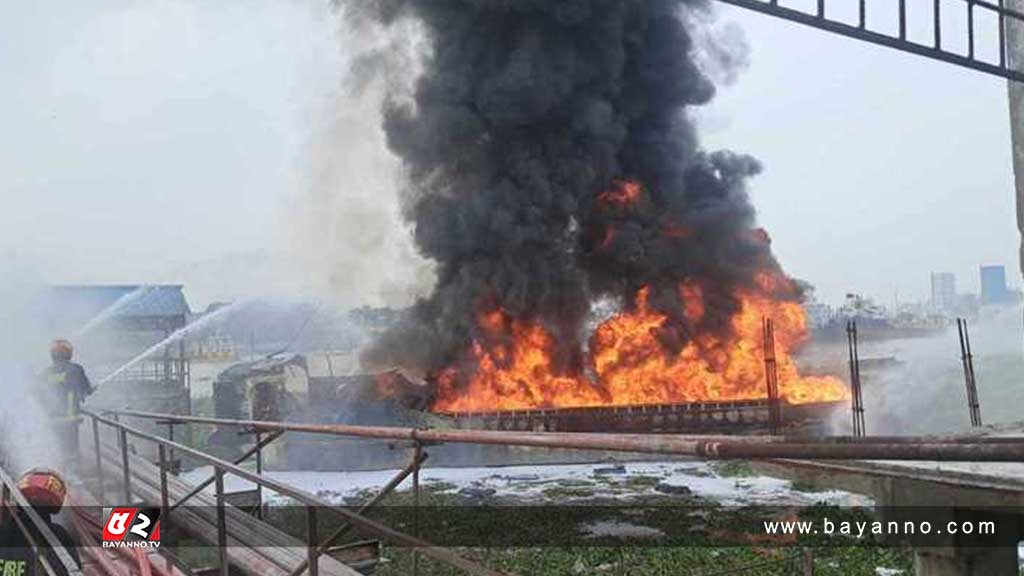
x=942, y=553
x=1015, y=60
x=965, y=562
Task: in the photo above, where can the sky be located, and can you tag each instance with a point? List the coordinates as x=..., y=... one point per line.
x=215, y=144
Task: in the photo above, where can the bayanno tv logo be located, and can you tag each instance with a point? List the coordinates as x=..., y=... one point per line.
x=132, y=528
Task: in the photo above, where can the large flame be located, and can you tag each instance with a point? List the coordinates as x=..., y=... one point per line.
x=512, y=365
x=631, y=366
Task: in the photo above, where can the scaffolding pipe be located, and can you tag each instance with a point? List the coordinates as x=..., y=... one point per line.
x=910, y=448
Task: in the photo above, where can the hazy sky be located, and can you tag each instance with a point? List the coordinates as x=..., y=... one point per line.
x=171, y=141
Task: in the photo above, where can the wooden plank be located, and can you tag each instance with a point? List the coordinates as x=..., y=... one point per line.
x=254, y=546
x=245, y=532
x=199, y=517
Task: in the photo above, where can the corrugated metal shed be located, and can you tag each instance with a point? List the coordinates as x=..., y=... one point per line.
x=141, y=307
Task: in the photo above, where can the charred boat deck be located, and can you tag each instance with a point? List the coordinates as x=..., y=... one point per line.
x=739, y=416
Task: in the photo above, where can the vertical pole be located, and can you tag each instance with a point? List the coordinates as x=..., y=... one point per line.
x=937, y=22
x=903, y=19
x=313, y=542
x=771, y=375
x=1013, y=32
x=124, y=466
x=5, y=497
x=975, y=404
x=968, y=363
x=856, y=398
x=222, y=526
x=1002, y=35
x=99, y=458
x=417, y=454
x=863, y=14
x=821, y=8
x=963, y=362
x=856, y=362
x=808, y=562
x=259, y=470
x=970, y=29
x=170, y=436
x=164, y=505
x=181, y=364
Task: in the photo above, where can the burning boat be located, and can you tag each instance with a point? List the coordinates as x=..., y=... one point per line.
x=553, y=171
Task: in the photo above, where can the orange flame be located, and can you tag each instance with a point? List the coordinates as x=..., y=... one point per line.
x=624, y=193
x=631, y=365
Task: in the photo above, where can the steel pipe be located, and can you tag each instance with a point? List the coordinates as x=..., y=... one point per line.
x=841, y=448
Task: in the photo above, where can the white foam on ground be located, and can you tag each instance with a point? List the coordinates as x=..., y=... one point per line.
x=619, y=529
x=531, y=482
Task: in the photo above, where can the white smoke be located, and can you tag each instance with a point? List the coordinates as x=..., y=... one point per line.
x=926, y=392
x=26, y=439
x=348, y=238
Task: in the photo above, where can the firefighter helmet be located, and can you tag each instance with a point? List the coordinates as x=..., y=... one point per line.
x=61, y=349
x=44, y=489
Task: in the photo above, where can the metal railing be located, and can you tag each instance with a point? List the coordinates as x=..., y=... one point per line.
x=951, y=448
x=15, y=507
x=314, y=544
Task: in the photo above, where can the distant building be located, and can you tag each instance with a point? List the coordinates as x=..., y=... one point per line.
x=944, y=291
x=993, y=285
x=818, y=313
x=111, y=324
x=158, y=309
x=111, y=327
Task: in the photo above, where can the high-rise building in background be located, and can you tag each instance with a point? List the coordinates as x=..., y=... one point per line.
x=993, y=285
x=943, y=291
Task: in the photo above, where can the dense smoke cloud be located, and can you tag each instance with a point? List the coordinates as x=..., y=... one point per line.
x=528, y=119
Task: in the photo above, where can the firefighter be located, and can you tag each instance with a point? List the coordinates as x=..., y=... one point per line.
x=67, y=387
x=46, y=492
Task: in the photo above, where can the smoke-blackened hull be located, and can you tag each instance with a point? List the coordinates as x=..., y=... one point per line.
x=552, y=163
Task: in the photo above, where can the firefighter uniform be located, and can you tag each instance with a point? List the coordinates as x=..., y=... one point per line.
x=46, y=492
x=69, y=388
x=66, y=387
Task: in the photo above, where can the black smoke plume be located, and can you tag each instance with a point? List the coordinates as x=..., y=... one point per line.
x=528, y=111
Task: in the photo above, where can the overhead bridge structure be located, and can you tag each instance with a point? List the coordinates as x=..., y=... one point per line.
x=975, y=34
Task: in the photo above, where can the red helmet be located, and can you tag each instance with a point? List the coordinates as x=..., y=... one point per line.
x=61, y=349
x=43, y=489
